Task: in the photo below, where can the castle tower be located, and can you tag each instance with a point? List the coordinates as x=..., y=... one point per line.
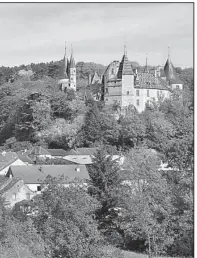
x=171, y=75
x=64, y=79
x=126, y=74
x=72, y=73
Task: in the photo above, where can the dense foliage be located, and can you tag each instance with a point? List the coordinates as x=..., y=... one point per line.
x=137, y=207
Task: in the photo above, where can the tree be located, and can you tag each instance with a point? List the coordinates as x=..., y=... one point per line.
x=104, y=184
x=65, y=220
x=146, y=200
x=132, y=130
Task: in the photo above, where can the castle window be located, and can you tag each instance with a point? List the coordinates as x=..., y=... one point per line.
x=137, y=92
x=177, y=87
x=127, y=92
x=138, y=102
x=148, y=95
x=106, y=90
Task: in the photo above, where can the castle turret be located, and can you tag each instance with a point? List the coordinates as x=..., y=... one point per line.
x=171, y=75
x=72, y=71
x=64, y=80
x=125, y=67
x=126, y=74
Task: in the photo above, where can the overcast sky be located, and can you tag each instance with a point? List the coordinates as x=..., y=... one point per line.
x=35, y=32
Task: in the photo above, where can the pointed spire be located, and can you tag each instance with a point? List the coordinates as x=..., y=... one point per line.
x=72, y=61
x=65, y=48
x=125, y=50
x=168, y=53
x=146, y=66
x=64, y=67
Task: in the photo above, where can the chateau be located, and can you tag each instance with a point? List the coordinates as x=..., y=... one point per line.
x=123, y=83
x=67, y=73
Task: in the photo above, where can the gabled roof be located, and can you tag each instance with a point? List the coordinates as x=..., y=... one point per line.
x=57, y=152
x=7, y=159
x=149, y=81
x=7, y=183
x=25, y=158
x=82, y=151
x=36, y=174
x=38, y=150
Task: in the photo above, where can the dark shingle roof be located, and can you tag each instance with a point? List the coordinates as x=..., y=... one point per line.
x=37, y=173
x=57, y=152
x=149, y=81
x=170, y=73
x=125, y=67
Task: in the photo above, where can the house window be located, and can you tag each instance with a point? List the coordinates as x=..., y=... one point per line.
x=107, y=90
x=177, y=87
x=127, y=92
x=106, y=99
x=137, y=93
x=38, y=188
x=112, y=71
x=138, y=102
x=158, y=94
x=148, y=93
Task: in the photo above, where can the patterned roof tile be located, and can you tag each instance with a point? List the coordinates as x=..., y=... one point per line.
x=149, y=81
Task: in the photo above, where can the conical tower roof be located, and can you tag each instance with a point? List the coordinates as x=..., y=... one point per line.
x=125, y=67
x=72, y=61
x=170, y=72
x=64, y=66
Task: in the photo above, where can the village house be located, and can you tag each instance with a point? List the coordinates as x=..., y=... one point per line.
x=11, y=158
x=33, y=176
x=13, y=190
x=84, y=156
